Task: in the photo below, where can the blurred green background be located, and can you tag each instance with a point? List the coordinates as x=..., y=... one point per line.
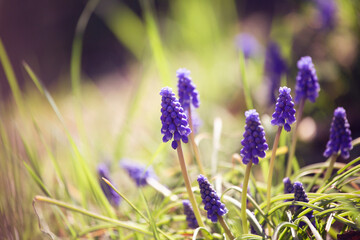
x=104, y=62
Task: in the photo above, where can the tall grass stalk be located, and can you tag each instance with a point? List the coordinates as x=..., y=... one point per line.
x=244, y=197
x=331, y=167
x=193, y=144
x=294, y=137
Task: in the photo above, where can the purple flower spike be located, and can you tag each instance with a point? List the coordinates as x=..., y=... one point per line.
x=174, y=121
x=138, y=172
x=327, y=13
x=110, y=193
x=288, y=187
x=300, y=195
x=284, y=114
x=211, y=200
x=275, y=66
x=190, y=216
x=187, y=89
x=307, y=85
x=248, y=44
x=254, y=141
x=340, y=135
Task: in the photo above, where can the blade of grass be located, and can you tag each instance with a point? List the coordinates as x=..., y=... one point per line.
x=150, y=217
x=280, y=226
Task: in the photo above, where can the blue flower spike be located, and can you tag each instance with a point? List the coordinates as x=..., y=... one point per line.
x=307, y=86
x=187, y=90
x=284, y=114
x=138, y=172
x=190, y=216
x=211, y=200
x=174, y=121
x=111, y=195
x=340, y=135
x=301, y=196
x=254, y=141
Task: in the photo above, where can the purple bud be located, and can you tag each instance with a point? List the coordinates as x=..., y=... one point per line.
x=137, y=172
x=284, y=114
x=111, y=195
x=190, y=216
x=187, y=89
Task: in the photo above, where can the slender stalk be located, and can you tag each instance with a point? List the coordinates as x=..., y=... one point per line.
x=244, y=196
x=194, y=146
x=294, y=137
x=226, y=227
x=161, y=188
x=188, y=185
x=331, y=167
x=272, y=161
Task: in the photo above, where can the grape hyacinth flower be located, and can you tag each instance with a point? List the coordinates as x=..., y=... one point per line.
x=111, y=195
x=187, y=89
x=300, y=195
x=211, y=200
x=190, y=216
x=284, y=114
x=307, y=85
x=248, y=44
x=138, y=172
x=340, y=135
x=275, y=66
x=254, y=141
x=288, y=187
x=174, y=121
x=327, y=13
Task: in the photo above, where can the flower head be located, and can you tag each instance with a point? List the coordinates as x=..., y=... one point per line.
x=284, y=114
x=326, y=12
x=254, y=141
x=190, y=216
x=288, y=186
x=300, y=195
x=307, y=85
x=111, y=195
x=187, y=89
x=248, y=44
x=138, y=172
x=340, y=135
x=275, y=66
x=213, y=206
x=174, y=121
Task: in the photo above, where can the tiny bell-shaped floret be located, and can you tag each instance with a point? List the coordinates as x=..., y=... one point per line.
x=190, y=216
x=284, y=114
x=187, y=89
x=111, y=195
x=138, y=172
x=307, y=85
x=340, y=135
x=174, y=121
x=211, y=200
x=254, y=141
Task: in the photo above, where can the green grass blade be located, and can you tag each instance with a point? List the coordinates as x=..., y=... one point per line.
x=280, y=226
x=37, y=180
x=150, y=217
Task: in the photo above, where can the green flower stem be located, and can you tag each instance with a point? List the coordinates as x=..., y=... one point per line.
x=294, y=137
x=271, y=169
x=194, y=146
x=244, y=196
x=128, y=225
x=226, y=227
x=331, y=167
x=188, y=185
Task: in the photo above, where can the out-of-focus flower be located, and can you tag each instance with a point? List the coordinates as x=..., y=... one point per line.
x=275, y=66
x=307, y=85
x=187, y=89
x=248, y=44
x=288, y=187
x=254, y=141
x=340, y=135
x=173, y=119
x=284, y=114
x=111, y=195
x=326, y=13
x=138, y=172
x=211, y=200
x=190, y=216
